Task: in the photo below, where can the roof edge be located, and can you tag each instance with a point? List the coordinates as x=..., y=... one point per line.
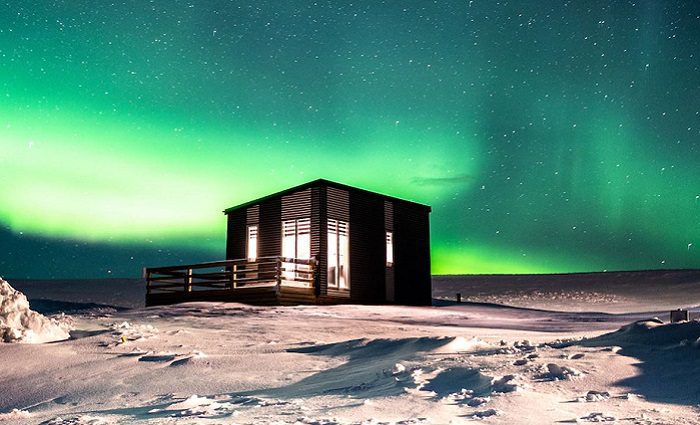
x=321, y=182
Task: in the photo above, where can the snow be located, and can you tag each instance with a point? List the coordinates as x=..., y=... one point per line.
x=200, y=407
x=227, y=363
x=484, y=414
x=596, y=417
x=18, y=323
x=610, y=292
x=553, y=371
x=79, y=420
x=593, y=396
x=15, y=414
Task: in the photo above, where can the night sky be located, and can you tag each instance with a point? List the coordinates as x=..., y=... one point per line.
x=547, y=136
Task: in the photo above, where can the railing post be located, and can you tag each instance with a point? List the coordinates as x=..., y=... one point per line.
x=147, y=276
x=278, y=271
x=234, y=276
x=312, y=276
x=188, y=281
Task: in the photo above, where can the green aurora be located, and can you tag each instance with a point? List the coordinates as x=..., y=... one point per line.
x=547, y=139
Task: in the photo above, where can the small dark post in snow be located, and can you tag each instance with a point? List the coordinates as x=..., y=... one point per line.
x=459, y=297
x=679, y=315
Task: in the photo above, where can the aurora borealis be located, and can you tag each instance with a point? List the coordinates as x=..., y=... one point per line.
x=547, y=137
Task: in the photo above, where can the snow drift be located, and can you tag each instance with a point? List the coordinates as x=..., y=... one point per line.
x=18, y=323
x=651, y=333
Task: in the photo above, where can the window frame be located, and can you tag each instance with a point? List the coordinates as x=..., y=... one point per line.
x=389, y=252
x=339, y=228
x=297, y=224
x=249, y=233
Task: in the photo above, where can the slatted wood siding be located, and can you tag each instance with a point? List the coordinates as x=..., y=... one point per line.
x=367, y=265
x=389, y=282
x=236, y=234
x=253, y=215
x=412, y=254
x=296, y=205
x=319, y=239
x=338, y=204
x=270, y=228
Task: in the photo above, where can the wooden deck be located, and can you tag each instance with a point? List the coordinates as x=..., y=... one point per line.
x=264, y=281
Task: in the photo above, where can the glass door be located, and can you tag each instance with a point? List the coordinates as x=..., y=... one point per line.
x=338, y=254
x=296, y=245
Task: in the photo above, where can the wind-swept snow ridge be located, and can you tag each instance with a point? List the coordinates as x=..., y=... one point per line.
x=18, y=323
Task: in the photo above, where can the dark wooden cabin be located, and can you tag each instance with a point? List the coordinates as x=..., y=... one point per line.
x=317, y=243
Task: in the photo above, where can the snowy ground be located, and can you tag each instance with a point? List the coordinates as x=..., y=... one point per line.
x=611, y=292
x=216, y=363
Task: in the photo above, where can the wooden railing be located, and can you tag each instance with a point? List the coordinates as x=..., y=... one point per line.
x=229, y=275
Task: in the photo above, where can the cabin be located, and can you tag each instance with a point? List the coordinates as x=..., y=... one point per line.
x=318, y=243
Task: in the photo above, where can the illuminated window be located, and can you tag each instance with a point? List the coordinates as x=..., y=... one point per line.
x=296, y=239
x=296, y=244
x=252, y=247
x=389, y=249
x=338, y=254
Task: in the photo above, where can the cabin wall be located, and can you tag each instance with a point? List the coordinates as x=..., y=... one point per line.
x=236, y=234
x=367, y=248
x=303, y=204
x=268, y=215
x=338, y=204
x=253, y=215
x=319, y=241
x=412, y=255
x=389, y=278
x=296, y=205
x=270, y=228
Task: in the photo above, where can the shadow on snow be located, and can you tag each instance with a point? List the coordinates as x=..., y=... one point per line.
x=669, y=359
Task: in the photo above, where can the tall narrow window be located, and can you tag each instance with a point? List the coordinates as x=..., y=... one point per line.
x=296, y=244
x=389, y=249
x=338, y=254
x=252, y=247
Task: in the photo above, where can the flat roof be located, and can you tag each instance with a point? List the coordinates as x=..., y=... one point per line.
x=321, y=182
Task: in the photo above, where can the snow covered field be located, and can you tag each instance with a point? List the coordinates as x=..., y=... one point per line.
x=216, y=363
x=610, y=292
